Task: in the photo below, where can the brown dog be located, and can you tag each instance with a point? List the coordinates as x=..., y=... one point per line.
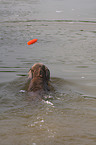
x=39, y=76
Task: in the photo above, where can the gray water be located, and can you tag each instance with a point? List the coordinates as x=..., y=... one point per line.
x=66, y=33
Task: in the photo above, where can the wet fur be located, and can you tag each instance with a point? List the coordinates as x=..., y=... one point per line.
x=39, y=76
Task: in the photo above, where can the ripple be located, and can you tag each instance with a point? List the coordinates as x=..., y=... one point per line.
x=89, y=97
x=82, y=66
x=51, y=20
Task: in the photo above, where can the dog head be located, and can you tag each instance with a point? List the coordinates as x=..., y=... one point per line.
x=39, y=70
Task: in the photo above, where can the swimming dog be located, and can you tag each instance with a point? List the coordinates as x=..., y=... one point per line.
x=39, y=76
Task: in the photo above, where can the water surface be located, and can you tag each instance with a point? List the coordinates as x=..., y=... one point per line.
x=66, y=33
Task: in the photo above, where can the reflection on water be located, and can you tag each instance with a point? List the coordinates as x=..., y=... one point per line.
x=66, y=33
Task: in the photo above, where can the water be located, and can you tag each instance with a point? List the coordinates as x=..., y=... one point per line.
x=66, y=33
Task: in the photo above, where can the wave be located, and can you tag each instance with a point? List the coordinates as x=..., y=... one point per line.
x=52, y=20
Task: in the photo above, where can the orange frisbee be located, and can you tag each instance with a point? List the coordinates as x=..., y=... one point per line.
x=32, y=41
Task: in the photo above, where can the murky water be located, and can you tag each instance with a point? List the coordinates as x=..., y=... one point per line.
x=66, y=33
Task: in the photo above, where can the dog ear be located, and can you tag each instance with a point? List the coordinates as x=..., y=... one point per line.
x=47, y=73
x=30, y=74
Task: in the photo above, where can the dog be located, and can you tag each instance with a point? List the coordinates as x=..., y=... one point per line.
x=39, y=76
